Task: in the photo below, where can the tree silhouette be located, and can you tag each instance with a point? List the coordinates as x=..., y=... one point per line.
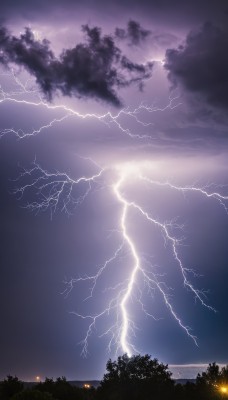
x=210, y=377
x=210, y=383
x=10, y=386
x=136, y=378
x=63, y=390
x=188, y=391
x=31, y=394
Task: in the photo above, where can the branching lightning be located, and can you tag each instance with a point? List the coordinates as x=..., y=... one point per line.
x=56, y=190
x=108, y=118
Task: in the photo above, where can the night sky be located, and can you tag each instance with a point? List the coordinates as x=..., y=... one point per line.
x=169, y=58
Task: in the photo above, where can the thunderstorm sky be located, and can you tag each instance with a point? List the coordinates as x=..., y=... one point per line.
x=160, y=69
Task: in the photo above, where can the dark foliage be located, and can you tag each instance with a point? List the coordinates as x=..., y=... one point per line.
x=211, y=382
x=31, y=394
x=128, y=378
x=186, y=392
x=137, y=378
x=63, y=390
x=9, y=387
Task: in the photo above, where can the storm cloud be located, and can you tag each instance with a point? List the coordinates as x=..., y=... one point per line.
x=134, y=33
x=200, y=66
x=94, y=69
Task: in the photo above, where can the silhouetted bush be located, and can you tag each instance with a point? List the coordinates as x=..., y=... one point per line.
x=136, y=378
x=31, y=394
x=10, y=386
x=128, y=378
x=210, y=382
x=63, y=390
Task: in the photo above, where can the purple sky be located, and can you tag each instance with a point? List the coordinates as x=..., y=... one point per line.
x=95, y=58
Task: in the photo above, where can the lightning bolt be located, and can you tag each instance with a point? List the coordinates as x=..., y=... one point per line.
x=136, y=267
x=108, y=118
x=56, y=191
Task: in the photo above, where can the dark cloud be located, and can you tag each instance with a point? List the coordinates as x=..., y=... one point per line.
x=200, y=66
x=134, y=33
x=35, y=56
x=94, y=69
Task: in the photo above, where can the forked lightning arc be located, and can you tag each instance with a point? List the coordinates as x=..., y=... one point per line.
x=55, y=190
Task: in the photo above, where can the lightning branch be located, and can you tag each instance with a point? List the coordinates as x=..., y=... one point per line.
x=55, y=191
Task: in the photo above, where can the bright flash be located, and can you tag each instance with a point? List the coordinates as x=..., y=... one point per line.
x=223, y=389
x=128, y=169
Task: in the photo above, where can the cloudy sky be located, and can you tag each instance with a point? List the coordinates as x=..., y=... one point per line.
x=119, y=90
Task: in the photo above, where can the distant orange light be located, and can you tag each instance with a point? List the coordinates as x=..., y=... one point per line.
x=224, y=389
x=87, y=386
x=37, y=378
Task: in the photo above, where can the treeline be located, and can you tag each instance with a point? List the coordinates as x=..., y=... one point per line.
x=128, y=378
